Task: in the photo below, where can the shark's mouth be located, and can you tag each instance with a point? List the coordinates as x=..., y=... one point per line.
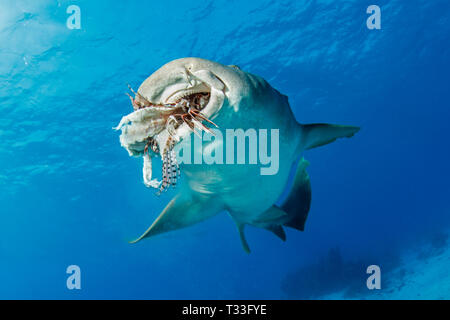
x=154, y=129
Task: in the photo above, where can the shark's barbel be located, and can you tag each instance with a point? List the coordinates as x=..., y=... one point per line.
x=192, y=94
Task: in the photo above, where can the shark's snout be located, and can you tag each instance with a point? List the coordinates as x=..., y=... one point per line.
x=169, y=105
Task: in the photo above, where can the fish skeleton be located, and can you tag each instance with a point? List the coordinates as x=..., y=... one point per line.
x=193, y=95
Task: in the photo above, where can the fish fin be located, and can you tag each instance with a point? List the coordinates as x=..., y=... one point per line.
x=273, y=215
x=319, y=134
x=298, y=202
x=278, y=231
x=184, y=210
x=244, y=242
x=272, y=220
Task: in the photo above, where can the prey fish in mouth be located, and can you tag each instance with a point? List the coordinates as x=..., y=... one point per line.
x=151, y=129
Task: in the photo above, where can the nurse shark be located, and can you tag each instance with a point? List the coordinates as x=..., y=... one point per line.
x=191, y=95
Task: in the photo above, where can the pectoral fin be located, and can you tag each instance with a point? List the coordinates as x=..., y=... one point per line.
x=319, y=134
x=183, y=210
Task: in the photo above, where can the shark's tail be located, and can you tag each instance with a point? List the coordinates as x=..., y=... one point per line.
x=298, y=202
x=294, y=210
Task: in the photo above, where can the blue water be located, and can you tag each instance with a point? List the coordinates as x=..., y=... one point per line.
x=69, y=194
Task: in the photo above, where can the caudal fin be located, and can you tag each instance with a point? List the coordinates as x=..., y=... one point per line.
x=299, y=199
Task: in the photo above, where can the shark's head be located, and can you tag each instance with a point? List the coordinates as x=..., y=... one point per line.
x=182, y=96
x=179, y=79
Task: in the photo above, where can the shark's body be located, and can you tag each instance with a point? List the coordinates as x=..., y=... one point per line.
x=238, y=100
